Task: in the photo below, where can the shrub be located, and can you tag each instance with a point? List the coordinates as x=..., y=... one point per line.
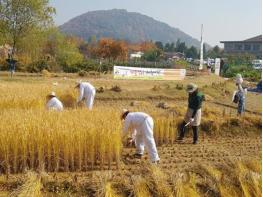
x=82, y=73
x=45, y=73
x=156, y=88
x=179, y=86
x=116, y=88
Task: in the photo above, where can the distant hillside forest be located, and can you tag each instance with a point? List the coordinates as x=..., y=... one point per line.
x=123, y=25
x=28, y=35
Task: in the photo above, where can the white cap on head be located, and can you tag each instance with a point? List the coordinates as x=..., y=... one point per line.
x=239, y=79
x=52, y=94
x=123, y=112
x=78, y=83
x=191, y=87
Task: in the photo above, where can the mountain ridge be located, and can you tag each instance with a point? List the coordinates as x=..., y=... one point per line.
x=121, y=24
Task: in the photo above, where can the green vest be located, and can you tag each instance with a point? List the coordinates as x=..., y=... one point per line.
x=195, y=100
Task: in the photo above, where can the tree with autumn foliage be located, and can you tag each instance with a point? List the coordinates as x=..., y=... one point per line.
x=111, y=50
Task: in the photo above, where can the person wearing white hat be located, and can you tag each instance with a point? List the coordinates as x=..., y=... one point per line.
x=239, y=95
x=142, y=123
x=53, y=102
x=87, y=93
x=193, y=114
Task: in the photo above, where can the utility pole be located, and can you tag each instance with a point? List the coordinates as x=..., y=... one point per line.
x=201, y=50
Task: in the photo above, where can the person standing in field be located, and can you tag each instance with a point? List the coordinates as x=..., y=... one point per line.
x=53, y=102
x=140, y=124
x=87, y=93
x=239, y=95
x=193, y=114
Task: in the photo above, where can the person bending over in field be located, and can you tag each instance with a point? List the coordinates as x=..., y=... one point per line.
x=142, y=123
x=53, y=103
x=193, y=114
x=87, y=93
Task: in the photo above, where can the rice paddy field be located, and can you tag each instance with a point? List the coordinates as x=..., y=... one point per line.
x=80, y=153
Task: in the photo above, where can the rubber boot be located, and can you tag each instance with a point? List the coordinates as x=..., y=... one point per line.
x=182, y=131
x=195, y=134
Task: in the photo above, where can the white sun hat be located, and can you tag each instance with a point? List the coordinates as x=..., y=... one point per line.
x=123, y=112
x=239, y=79
x=52, y=94
x=191, y=87
x=78, y=82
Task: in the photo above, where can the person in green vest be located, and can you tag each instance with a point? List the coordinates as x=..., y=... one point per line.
x=193, y=114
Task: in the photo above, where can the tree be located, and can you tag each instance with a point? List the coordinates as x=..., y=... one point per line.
x=159, y=45
x=111, y=49
x=180, y=47
x=192, y=53
x=64, y=49
x=19, y=18
x=215, y=52
x=172, y=47
x=167, y=47
x=152, y=55
x=146, y=46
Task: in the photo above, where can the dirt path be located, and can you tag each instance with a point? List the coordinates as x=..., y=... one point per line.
x=208, y=151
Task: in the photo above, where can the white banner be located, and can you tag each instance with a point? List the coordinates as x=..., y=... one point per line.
x=217, y=66
x=123, y=72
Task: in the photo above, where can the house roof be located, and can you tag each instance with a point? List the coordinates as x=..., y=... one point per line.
x=254, y=39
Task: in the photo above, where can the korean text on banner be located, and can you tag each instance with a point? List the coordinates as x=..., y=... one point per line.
x=123, y=72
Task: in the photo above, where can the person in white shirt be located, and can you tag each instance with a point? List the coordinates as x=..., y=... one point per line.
x=53, y=103
x=87, y=93
x=241, y=94
x=142, y=123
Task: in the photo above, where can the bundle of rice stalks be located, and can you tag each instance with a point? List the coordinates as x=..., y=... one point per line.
x=254, y=121
x=158, y=182
x=184, y=186
x=102, y=183
x=100, y=90
x=68, y=100
x=250, y=182
x=45, y=73
x=162, y=105
x=31, y=188
x=234, y=178
x=116, y=88
x=109, y=191
x=179, y=86
x=140, y=187
x=209, y=126
x=156, y=88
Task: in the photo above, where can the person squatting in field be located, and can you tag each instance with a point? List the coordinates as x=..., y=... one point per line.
x=87, y=93
x=53, y=103
x=193, y=114
x=141, y=124
x=239, y=95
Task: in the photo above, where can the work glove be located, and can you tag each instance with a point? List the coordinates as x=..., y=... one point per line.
x=129, y=141
x=192, y=120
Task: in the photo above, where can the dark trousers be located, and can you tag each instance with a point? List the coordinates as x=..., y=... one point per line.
x=195, y=131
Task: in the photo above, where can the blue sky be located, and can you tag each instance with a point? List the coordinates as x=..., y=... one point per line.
x=222, y=19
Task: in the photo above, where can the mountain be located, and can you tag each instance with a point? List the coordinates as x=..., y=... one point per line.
x=120, y=24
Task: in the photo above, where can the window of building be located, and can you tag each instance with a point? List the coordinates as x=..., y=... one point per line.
x=247, y=47
x=228, y=46
x=238, y=47
x=256, y=47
